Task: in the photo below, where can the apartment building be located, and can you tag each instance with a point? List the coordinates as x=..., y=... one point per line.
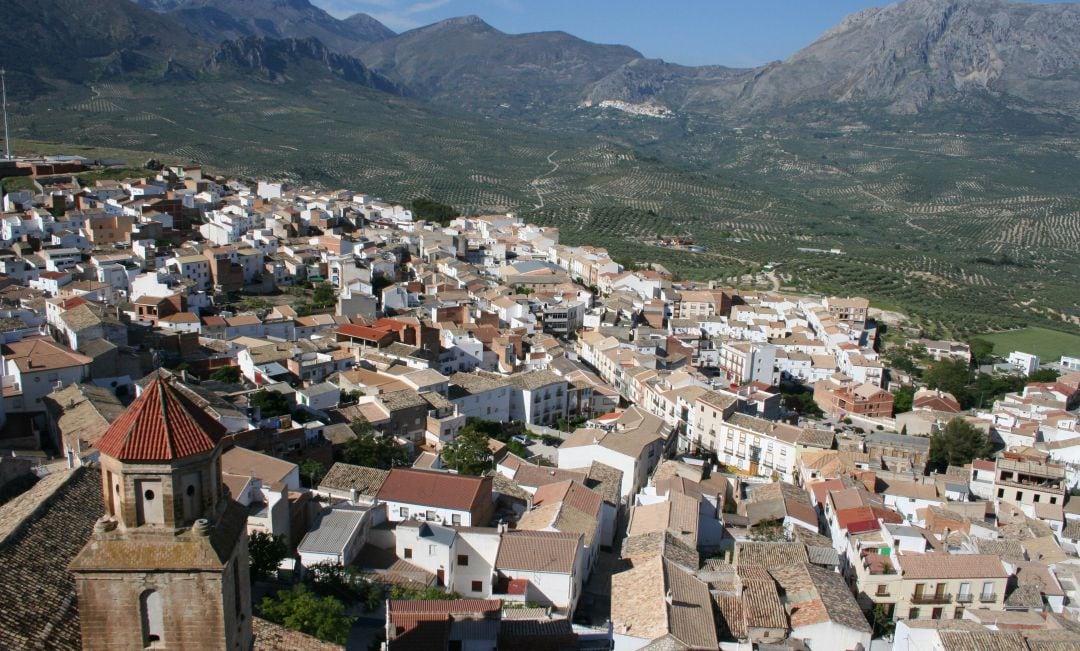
x=943, y=586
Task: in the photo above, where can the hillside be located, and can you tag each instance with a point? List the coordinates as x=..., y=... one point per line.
x=215, y=21
x=466, y=62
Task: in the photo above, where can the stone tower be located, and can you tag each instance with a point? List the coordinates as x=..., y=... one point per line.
x=167, y=564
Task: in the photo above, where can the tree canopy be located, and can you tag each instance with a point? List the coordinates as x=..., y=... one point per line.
x=265, y=551
x=227, y=374
x=957, y=444
x=433, y=211
x=270, y=403
x=903, y=399
x=300, y=610
x=373, y=450
x=469, y=453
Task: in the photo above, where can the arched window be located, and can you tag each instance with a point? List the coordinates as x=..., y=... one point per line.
x=153, y=620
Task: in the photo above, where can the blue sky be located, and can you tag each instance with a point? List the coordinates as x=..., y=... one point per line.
x=693, y=32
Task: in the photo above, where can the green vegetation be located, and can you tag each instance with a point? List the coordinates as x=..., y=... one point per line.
x=265, y=552
x=902, y=399
x=1049, y=345
x=433, y=211
x=301, y=610
x=227, y=374
x=271, y=403
x=958, y=443
x=311, y=472
x=18, y=184
x=414, y=593
x=468, y=453
x=346, y=583
x=802, y=402
x=371, y=449
x=969, y=388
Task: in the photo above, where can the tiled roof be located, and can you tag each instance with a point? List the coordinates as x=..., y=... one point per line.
x=274, y=637
x=538, y=551
x=40, y=532
x=38, y=354
x=642, y=609
x=815, y=595
x=951, y=566
x=769, y=554
x=436, y=489
x=162, y=424
x=761, y=605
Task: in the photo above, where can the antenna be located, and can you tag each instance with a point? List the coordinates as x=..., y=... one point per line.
x=3, y=90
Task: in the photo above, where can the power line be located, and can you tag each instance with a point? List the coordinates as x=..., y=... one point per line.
x=3, y=90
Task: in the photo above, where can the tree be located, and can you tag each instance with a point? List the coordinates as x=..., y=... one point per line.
x=959, y=443
x=300, y=610
x=226, y=374
x=270, y=403
x=324, y=296
x=981, y=350
x=902, y=399
x=469, y=453
x=265, y=551
x=332, y=579
x=882, y=621
x=374, y=451
x=948, y=375
x=311, y=472
x=769, y=531
x=433, y=211
x=1044, y=375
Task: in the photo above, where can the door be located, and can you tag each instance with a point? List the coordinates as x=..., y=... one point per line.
x=440, y=577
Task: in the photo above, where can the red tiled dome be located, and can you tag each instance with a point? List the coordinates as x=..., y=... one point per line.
x=161, y=425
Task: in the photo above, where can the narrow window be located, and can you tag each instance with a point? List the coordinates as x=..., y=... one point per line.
x=153, y=621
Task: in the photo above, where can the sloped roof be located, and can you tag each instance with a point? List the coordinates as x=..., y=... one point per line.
x=161, y=425
x=538, y=551
x=432, y=488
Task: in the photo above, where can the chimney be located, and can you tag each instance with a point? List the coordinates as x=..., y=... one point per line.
x=354, y=495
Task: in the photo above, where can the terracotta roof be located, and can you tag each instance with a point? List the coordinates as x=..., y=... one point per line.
x=432, y=488
x=37, y=354
x=274, y=637
x=162, y=424
x=951, y=566
x=538, y=551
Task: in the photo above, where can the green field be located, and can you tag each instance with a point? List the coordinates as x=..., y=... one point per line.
x=1049, y=345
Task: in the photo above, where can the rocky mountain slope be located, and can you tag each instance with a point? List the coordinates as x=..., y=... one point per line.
x=466, y=62
x=223, y=20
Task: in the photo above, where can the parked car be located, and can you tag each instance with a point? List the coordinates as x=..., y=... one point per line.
x=522, y=439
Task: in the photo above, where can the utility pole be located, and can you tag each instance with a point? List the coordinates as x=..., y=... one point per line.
x=3, y=90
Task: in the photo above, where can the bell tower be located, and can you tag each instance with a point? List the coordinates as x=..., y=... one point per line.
x=167, y=564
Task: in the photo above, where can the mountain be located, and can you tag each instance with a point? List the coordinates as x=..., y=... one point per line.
x=46, y=43
x=907, y=57
x=225, y=20
x=466, y=62
x=281, y=60
x=368, y=30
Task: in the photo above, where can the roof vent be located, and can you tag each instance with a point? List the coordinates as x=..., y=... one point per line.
x=202, y=527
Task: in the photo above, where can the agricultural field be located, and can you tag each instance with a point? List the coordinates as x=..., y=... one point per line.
x=967, y=234
x=1049, y=345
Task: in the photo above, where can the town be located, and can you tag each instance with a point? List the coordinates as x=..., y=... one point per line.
x=357, y=425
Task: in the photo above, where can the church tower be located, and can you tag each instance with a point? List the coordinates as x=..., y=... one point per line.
x=167, y=564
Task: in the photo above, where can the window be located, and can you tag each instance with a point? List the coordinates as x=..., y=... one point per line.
x=403, y=511
x=430, y=515
x=913, y=613
x=1001, y=492
x=959, y=614
x=936, y=613
x=1053, y=500
x=1037, y=496
x=1019, y=495
x=455, y=519
x=408, y=552
x=477, y=586
x=153, y=621
x=463, y=560
x=883, y=591
x=987, y=589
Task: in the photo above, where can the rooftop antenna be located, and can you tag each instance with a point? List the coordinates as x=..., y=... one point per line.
x=3, y=90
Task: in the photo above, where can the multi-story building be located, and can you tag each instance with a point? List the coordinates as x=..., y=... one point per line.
x=1025, y=482
x=745, y=362
x=943, y=586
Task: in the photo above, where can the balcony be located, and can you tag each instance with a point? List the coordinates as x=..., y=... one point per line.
x=965, y=598
x=988, y=597
x=931, y=598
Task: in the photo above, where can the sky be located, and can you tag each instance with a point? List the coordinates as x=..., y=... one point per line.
x=738, y=33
